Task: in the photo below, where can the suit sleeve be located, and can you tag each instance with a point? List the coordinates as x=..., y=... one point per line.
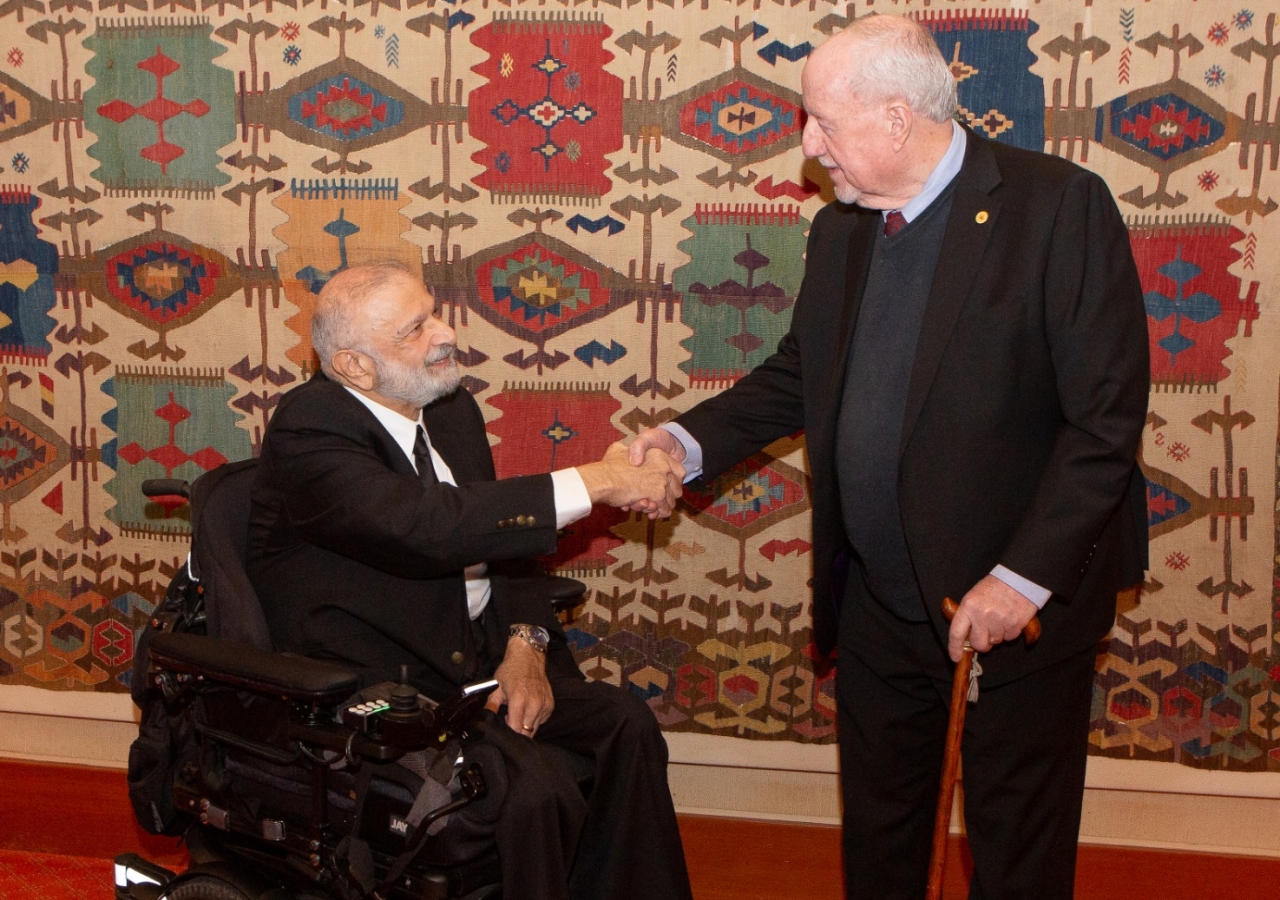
x=341, y=495
x=1096, y=330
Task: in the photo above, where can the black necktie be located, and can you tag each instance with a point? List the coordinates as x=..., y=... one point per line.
x=422, y=459
x=894, y=222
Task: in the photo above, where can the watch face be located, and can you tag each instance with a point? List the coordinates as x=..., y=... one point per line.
x=536, y=635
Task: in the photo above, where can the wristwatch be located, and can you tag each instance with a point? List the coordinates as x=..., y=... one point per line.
x=535, y=636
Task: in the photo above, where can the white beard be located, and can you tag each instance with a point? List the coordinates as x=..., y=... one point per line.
x=419, y=387
x=848, y=194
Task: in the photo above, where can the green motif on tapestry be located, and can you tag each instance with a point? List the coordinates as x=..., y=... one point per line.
x=160, y=109
x=747, y=265
x=168, y=424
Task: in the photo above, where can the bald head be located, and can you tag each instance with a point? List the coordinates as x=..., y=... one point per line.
x=884, y=57
x=340, y=318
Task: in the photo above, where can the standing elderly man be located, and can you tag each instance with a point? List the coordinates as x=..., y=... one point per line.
x=379, y=538
x=968, y=358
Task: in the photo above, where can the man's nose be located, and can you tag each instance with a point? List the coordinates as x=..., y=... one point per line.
x=811, y=140
x=443, y=334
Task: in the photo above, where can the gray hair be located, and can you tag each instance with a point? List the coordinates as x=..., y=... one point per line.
x=896, y=57
x=333, y=326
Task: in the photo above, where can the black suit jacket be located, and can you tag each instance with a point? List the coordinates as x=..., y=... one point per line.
x=356, y=561
x=1026, y=404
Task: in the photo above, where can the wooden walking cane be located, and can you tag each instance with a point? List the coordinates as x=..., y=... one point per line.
x=963, y=690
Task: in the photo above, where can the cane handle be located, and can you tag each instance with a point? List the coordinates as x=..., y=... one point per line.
x=1030, y=631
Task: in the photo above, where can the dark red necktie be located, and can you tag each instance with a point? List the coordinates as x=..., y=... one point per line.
x=893, y=222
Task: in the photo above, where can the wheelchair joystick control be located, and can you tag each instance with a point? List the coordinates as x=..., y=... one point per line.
x=403, y=722
x=404, y=696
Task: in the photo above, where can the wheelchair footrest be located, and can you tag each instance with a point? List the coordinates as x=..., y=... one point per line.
x=139, y=879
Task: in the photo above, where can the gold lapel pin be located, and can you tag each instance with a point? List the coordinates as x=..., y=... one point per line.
x=981, y=217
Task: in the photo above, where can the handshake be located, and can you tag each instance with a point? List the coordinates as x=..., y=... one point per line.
x=645, y=476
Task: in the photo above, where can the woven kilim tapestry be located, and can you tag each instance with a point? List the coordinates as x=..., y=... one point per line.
x=610, y=202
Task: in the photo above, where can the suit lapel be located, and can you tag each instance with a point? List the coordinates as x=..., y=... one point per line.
x=364, y=422
x=453, y=436
x=969, y=227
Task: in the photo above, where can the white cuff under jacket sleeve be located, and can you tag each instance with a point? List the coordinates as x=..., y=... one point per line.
x=571, y=497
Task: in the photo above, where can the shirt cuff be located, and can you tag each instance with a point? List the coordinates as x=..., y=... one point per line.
x=1029, y=589
x=692, y=450
x=571, y=497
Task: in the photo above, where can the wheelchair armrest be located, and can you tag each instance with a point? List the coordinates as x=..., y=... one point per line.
x=564, y=593
x=244, y=666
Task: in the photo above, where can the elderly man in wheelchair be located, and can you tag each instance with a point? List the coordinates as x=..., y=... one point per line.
x=361, y=688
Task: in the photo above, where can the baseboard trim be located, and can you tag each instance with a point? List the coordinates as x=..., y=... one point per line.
x=1127, y=803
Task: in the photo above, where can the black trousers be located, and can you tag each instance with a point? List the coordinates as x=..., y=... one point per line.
x=621, y=841
x=1023, y=764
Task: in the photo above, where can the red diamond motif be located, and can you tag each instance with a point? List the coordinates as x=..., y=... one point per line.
x=159, y=65
x=117, y=110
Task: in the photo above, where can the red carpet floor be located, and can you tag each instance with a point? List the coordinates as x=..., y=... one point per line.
x=44, y=876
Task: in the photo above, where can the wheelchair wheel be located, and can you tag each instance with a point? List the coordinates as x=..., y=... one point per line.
x=206, y=887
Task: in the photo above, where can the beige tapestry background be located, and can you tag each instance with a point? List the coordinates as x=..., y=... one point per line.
x=609, y=200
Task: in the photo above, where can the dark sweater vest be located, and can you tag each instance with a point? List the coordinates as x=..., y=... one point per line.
x=875, y=399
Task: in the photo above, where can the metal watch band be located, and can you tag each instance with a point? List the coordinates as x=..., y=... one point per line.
x=535, y=636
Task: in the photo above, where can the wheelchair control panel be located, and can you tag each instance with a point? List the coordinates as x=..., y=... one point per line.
x=406, y=719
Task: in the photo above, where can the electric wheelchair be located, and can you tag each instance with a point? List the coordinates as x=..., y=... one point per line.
x=284, y=780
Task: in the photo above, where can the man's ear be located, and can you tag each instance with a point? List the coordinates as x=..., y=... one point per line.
x=356, y=369
x=901, y=118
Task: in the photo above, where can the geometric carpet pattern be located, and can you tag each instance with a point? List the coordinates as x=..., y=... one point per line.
x=610, y=203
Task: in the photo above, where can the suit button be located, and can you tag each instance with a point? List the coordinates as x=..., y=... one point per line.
x=456, y=657
x=522, y=520
x=532, y=521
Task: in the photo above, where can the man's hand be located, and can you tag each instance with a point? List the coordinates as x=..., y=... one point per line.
x=638, y=449
x=523, y=687
x=654, y=439
x=990, y=613
x=651, y=486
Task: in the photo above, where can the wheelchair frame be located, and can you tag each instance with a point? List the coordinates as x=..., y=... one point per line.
x=221, y=705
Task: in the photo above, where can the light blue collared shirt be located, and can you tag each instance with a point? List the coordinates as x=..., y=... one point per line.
x=942, y=175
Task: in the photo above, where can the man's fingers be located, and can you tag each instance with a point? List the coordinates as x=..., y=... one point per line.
x=979, y=638
x=653, y=439
x=960, y=631
x=546, y=704
x=660, y=459
x=496, y=700
x=638, y=450
x=516, y=712
x=529, y=711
